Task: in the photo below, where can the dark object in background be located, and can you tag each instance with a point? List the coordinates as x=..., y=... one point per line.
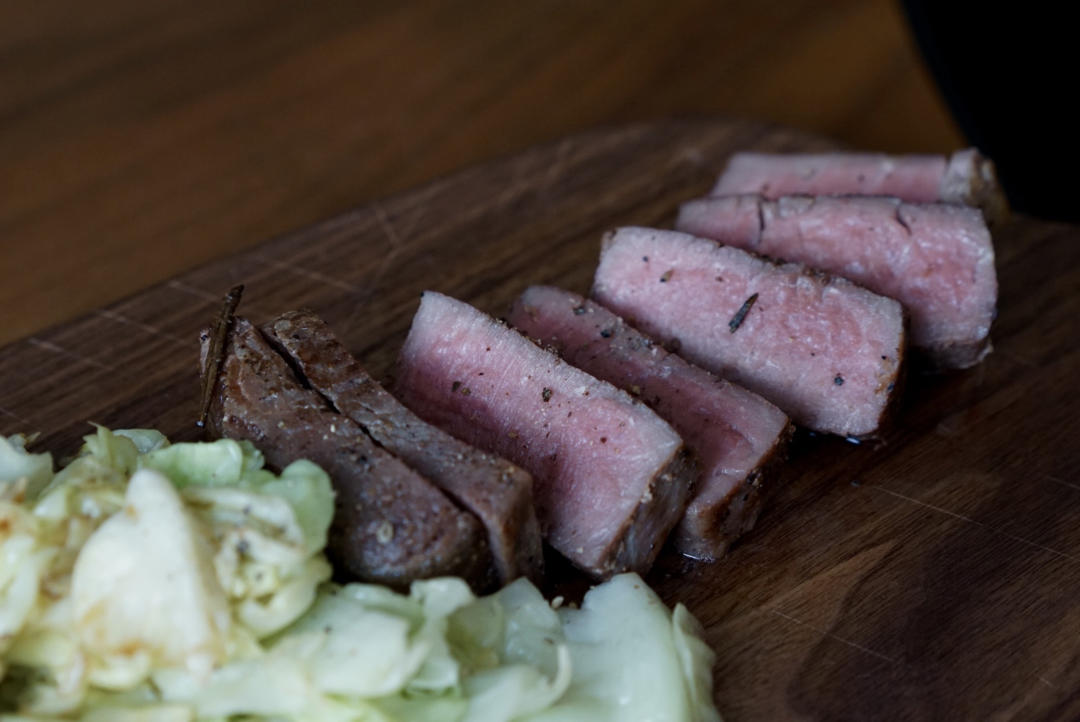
x=1007, y=72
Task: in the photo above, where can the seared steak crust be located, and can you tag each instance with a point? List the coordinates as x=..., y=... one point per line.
x=495, y=490
x=391, y=525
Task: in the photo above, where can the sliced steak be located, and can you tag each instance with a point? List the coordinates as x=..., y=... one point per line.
x=495, y=490
x=935, y=258
x=967, y=177
x=735, y=433
x=826, y=351
x=391, y=525
x=611, y=477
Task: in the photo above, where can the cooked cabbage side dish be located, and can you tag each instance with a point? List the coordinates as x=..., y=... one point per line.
x=157, y=582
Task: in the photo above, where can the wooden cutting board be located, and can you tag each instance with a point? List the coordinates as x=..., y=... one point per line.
x=934, y=575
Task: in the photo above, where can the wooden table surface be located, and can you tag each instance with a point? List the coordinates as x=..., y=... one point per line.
x=931, y=578
x=140, y=139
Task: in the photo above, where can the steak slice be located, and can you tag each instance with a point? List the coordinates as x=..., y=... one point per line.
x=496, y=491
x=611, y=477
x=826, y=351
x=935, y=258
x=735, y=433
x=967, y=177
x=391, y=525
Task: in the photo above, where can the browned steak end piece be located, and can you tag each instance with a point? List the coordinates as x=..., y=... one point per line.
x=735, y=433
x=495, y=490
x=971, y=179
x=391, y=525
x=612, y=478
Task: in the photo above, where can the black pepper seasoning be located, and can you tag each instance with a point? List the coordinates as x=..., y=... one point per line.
x=740, y=315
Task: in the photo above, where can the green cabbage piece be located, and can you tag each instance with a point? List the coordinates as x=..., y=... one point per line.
x=256, y=539
x=243, y=548
x=661, y=670
x=229, y=476
x=18, y=465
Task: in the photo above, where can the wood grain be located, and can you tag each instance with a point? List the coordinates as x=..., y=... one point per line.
x=931, y=576
x=139, y=139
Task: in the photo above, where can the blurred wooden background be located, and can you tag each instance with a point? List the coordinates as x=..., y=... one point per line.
x=138, y=139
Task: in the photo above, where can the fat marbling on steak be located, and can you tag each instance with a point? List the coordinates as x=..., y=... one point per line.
x=391, y=525
x=611, y=478
x=498, y=492
x=824, y=350
x=967, y=177
x=935, y=258
x=737, y=435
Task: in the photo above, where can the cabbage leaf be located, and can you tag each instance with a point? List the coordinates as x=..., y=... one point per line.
x=155, y=582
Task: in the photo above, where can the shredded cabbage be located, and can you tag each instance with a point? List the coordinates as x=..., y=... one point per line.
x=33, y=471
x=156, y=582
